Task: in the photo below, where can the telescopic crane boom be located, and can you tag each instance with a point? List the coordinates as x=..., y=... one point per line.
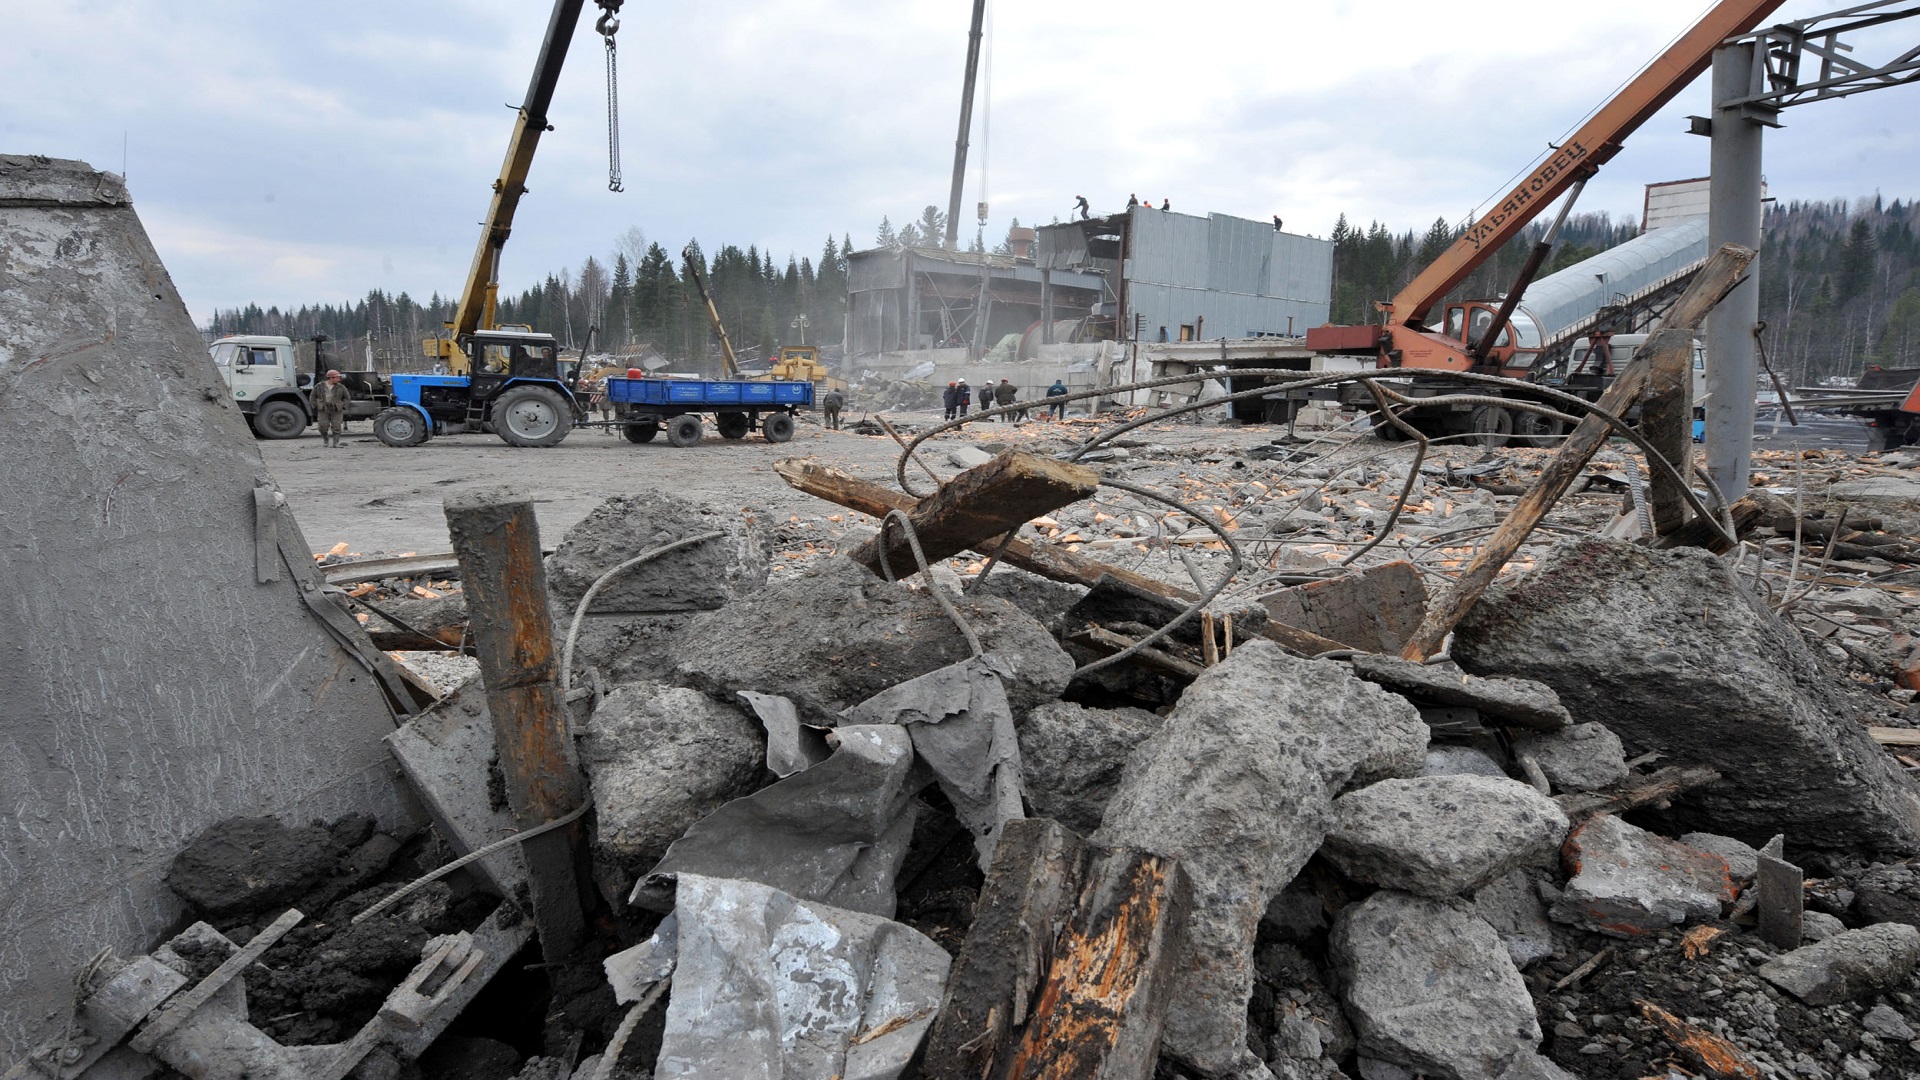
x=1406, y=339
x=481, y=293
x=729, y=363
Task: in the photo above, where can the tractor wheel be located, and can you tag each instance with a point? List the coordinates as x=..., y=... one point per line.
x=777, y=427
x=400, y=426
x=684, y=430
x=280, y=420
x=733, y=425
x=532, y=416
x=1491, y=425
x=638, y=433
x=1532, y=429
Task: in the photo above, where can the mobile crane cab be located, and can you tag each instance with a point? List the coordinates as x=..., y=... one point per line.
x=513, y=387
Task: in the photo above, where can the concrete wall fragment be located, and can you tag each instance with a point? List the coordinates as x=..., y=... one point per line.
x=149, y=683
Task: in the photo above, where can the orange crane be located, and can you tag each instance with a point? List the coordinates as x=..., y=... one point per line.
x=1476, y=336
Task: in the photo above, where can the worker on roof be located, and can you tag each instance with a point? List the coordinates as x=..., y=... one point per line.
x=1133, y=201
x=1080, y=204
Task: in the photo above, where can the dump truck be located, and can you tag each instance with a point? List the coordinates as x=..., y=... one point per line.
x=263, y=373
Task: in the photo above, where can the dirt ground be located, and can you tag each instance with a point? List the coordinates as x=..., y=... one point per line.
x=378, y=499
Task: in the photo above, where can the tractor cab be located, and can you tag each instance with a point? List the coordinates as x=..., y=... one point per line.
x=512, y=386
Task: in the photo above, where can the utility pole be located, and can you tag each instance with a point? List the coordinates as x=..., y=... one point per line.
x=1733, y=216
x=966, y=125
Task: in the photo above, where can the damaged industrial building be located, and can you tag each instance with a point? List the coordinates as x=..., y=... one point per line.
x=1293, y=701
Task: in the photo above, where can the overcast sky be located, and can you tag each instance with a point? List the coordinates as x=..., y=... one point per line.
x=282, y=153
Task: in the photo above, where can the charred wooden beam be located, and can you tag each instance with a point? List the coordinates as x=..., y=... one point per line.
x=498, y=543
x=982, y=503
x=1635, y=791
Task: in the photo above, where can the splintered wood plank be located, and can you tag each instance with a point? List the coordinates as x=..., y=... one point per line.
x=1067, y=970
x=984, y=502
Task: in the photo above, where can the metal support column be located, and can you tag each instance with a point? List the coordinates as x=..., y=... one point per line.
x=498, y=545
x=1733, y=217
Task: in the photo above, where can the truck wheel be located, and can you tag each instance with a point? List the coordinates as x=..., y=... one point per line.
x=400, y=426
x=1490, y=425
x=531, y=416
x=733, y=425
x=280, y=420
x=777, y=427
x=1532, y=429
x=1386, y=430
x=683, y=430
x=638, y=433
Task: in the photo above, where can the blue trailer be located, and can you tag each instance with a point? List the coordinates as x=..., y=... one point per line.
x=644, y=406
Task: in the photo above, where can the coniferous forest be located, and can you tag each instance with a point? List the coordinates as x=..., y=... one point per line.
x=1839, y=290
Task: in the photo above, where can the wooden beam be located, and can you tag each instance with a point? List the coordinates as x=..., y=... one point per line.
x=498, y=543
x=1105, y=642
x=1636, y=791
x=1066, y=971
x=1895, y=736
x=1748, y=513
x=1714, y=281
x=982, y=503
x=1048, y=560
x=1666, y=419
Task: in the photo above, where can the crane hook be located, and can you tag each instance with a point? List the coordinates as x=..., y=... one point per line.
x=609, y=23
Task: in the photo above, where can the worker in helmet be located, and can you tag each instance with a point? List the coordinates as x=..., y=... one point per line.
x=951, y=399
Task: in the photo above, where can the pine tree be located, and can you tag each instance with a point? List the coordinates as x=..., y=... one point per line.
x=887, y=238
x=619, y=332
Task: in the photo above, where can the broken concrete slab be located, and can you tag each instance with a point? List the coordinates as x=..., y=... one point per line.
x=962, y=731
x=1442, y=835
x=1628, y=882
x=1460, y=761
x=1848, y=965
x=1374, y=610
x=772, y=985
x=1673, y=654
x=837, y=635
x=1517, y=702
x=1584, y=757
x=1743, y=861
x=834, y=834
x=1074, y=756
x=700, y=577
x=1428, y=985
x=660, y=758
x=1512, y=906
x=1237, y=785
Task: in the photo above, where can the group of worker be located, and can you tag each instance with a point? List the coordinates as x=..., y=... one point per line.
x=958, y=398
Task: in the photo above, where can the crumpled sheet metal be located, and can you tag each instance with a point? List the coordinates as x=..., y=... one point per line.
x=771, y=987
x=835, y=833
x=633, y=972
x=962, y=729
x=791, y=746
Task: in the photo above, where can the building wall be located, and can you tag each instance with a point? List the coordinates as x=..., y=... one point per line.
x=1223, y=276
x=149, y=685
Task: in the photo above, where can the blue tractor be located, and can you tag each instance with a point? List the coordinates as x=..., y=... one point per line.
x=514, y=389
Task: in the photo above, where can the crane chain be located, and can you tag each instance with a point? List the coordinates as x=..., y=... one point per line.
x=608, y=25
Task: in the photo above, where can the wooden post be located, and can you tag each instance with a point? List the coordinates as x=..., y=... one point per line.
x=1666, y=419
x=1714, y=281
x=1047, y=560
x=498, y=543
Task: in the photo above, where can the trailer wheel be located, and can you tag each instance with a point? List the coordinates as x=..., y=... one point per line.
x=1491, y=425
x=777, y=427
x=639, y=433
x=531, y=416
x=733, y=425
x=280, y=420
x=400, y=426
x=1532, y=429
x=684, y=430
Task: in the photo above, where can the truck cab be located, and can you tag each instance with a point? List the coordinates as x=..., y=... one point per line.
x=261, y=373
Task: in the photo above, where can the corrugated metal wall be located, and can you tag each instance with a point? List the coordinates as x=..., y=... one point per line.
x=1224, y=276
